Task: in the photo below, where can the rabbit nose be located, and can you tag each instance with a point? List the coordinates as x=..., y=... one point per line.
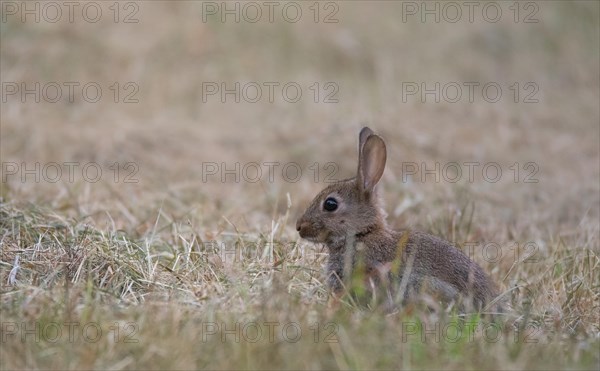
x=300, y=224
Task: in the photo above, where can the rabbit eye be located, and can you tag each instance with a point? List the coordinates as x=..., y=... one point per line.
x=330, y=204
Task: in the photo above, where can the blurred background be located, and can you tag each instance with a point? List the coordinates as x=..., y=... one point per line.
x=357, y=63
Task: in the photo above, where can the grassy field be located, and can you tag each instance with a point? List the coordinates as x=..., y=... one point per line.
x=153, y=226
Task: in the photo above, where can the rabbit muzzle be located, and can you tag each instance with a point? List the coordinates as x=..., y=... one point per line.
x=310, y=232
x=305, y=229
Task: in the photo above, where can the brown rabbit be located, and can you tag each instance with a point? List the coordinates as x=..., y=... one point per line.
x=403, y=265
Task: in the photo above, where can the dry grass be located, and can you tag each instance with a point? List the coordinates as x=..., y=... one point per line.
x=156, y=259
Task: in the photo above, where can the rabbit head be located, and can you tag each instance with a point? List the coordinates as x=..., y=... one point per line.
x=349, y=207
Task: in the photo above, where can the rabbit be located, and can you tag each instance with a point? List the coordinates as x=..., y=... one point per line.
x=403, y=266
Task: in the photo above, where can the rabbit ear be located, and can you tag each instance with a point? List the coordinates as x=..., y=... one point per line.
x=371, y=163
x=362, y=138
